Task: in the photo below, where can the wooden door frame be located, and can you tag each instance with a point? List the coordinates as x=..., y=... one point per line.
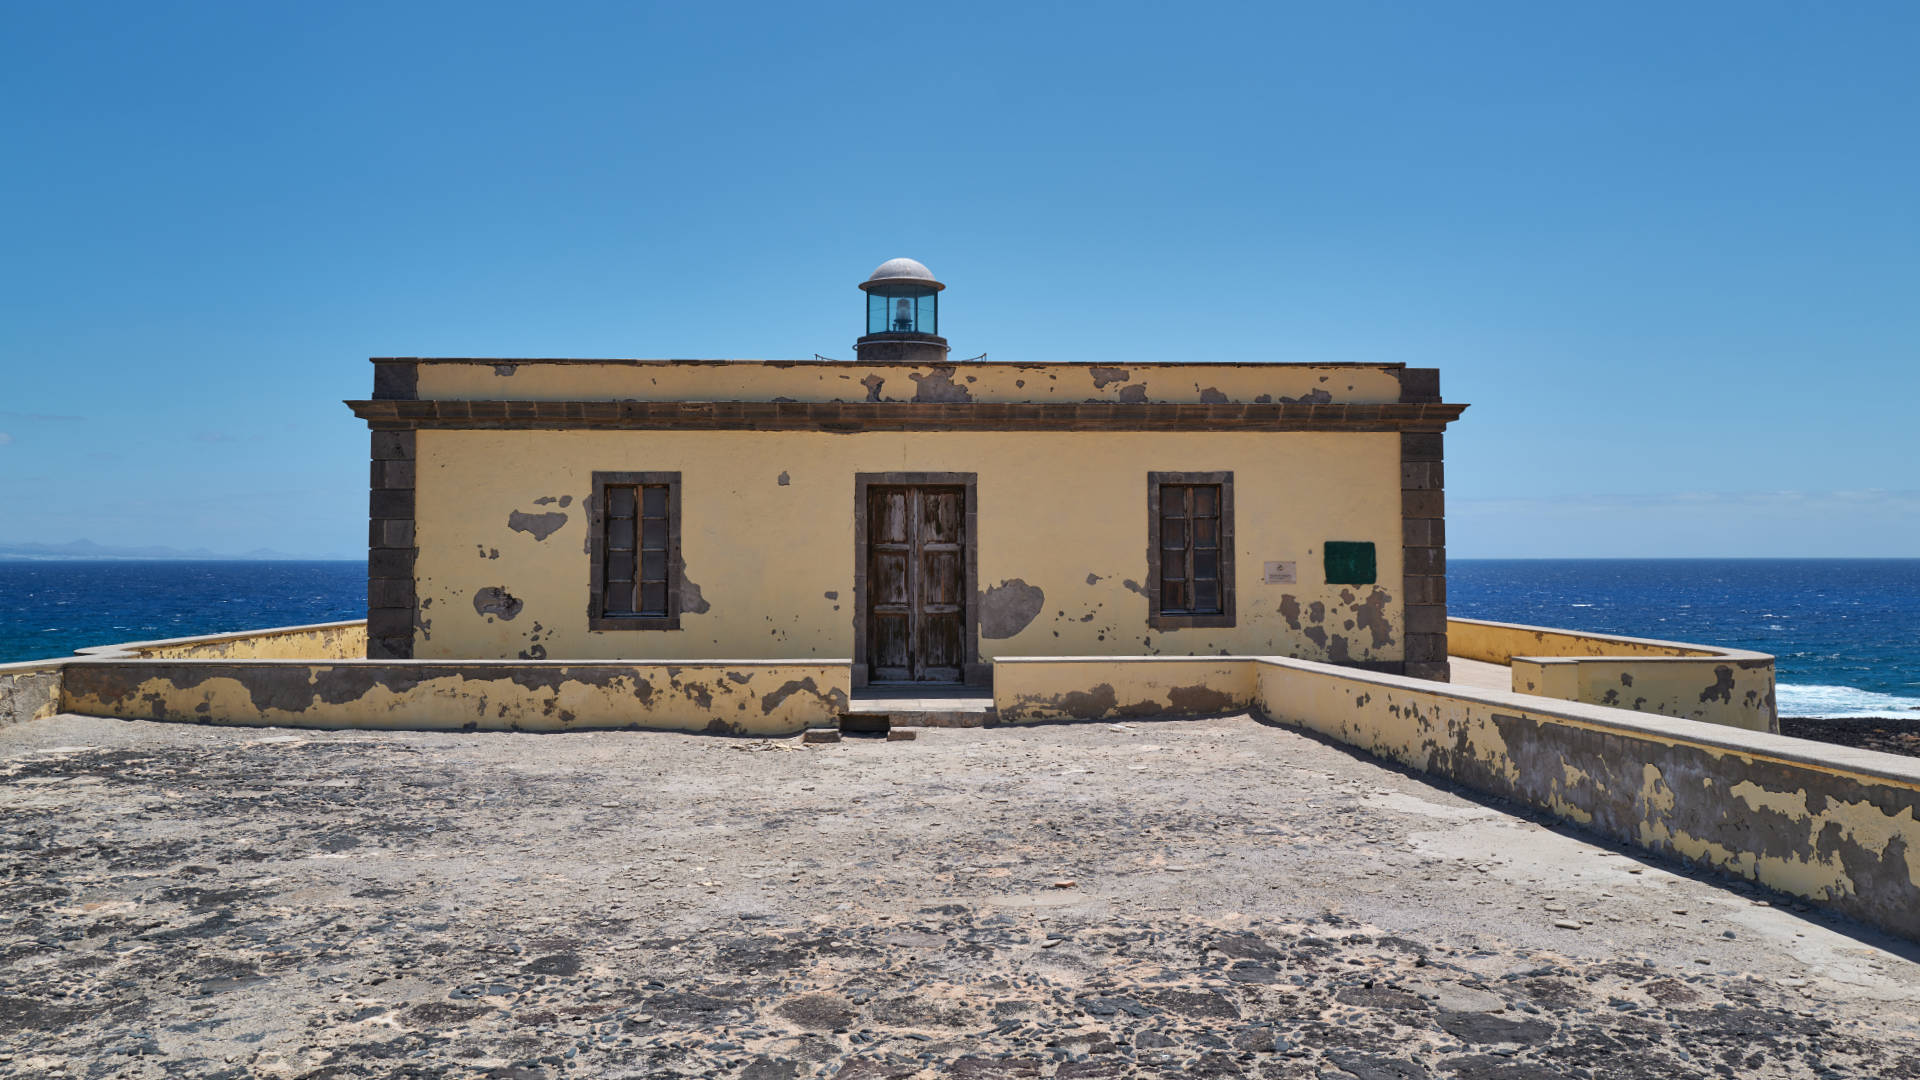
x=973, y=672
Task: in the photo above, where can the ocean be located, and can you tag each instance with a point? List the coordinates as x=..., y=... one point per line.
x=1846, y=632
x=50, y=607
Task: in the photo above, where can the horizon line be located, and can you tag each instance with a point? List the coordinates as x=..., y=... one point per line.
x=19, y=557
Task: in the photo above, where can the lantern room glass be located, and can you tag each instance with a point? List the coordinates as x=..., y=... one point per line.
x=903, y=310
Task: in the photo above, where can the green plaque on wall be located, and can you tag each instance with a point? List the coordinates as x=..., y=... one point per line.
x=1350, y=562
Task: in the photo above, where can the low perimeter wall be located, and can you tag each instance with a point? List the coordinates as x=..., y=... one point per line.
x=1032, y=689
x=33, y=690
x=312, y=676
x=30, y=691
x=1834, y=825
x=732, y=697
x=1719, y=686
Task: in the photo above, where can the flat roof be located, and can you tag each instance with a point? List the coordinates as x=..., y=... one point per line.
x=1023, y=364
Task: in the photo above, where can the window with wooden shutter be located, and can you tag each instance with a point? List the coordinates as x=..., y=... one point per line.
x=1190, y=549
x=634, y=520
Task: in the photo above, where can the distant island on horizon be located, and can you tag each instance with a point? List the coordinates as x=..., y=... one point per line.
x=87, y=549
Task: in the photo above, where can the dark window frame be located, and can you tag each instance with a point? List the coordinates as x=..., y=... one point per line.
x=1225, y=617
x=597, y=616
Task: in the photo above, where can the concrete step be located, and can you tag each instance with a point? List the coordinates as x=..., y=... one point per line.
x=828, y=735
x=927, y=712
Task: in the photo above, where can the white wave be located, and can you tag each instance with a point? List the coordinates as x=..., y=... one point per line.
x=1842, y=701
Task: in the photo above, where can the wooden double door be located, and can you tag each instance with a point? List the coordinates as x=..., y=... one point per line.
x=916, y=583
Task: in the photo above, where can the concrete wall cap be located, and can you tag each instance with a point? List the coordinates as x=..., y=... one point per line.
x=104, y=651
x=1700, y=652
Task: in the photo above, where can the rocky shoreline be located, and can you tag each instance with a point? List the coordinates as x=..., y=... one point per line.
x=1887, y=734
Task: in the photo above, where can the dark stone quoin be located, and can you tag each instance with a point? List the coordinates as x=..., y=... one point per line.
x=1423, y=526
x=392, y=603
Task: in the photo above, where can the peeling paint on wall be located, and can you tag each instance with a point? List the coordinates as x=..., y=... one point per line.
x=1371, y=616
x=546, y=696
x=938, y=385
x=496, y=601
x=539, y=526
x=1007, y=608
x=1202, y=700
x=1722, y=688
x=29, y=692
x=986, y=381
x=834, y=700
x=1032, y=690
x=692, y=601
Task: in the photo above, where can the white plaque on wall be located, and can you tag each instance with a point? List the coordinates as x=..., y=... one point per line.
x=1279, y=573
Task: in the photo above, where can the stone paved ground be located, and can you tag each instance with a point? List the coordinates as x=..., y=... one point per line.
x=1213, y=898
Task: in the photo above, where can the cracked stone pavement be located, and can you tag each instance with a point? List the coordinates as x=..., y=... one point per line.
x=1206, y=898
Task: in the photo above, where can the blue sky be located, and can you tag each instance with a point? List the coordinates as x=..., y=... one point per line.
x=1671, y=253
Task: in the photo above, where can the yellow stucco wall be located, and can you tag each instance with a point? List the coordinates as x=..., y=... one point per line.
x=768, y=538
x=1032, y=689
x=727, y=697
x=1734, y=693
x=670, y=380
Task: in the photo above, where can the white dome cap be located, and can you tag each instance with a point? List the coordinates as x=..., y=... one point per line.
x=903, y=272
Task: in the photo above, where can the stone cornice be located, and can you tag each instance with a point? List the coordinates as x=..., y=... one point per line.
x=855, y=416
